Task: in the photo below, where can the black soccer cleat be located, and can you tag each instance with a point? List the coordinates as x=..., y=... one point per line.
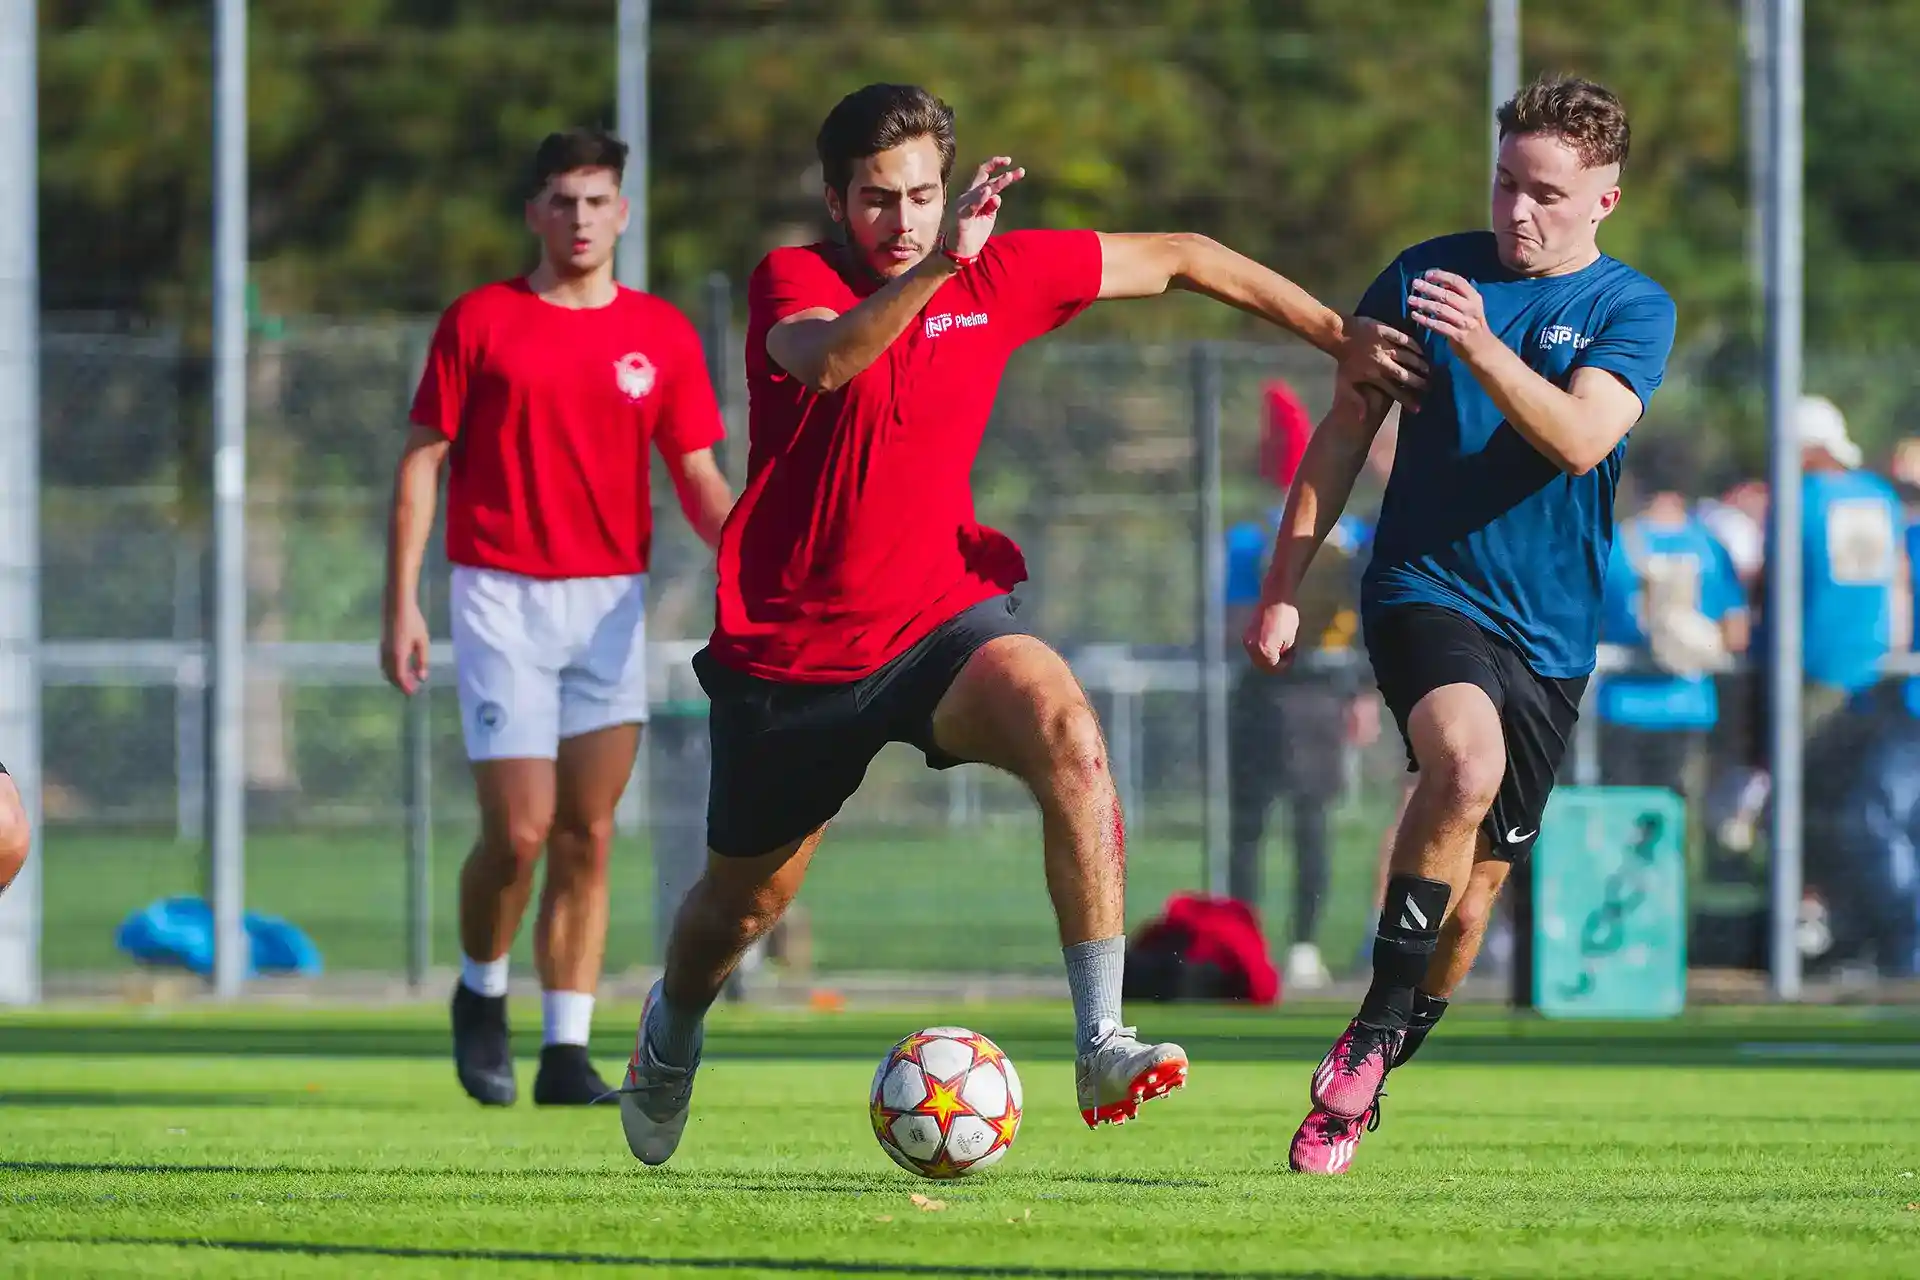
x=482, y=1053
x=567, y=1078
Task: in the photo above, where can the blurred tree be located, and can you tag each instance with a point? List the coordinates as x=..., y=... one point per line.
x=390, y=136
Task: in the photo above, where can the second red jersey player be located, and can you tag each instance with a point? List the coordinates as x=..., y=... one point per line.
x=542, y=399
x=552, y=411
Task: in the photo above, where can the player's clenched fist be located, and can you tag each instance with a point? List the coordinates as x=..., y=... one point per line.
x=970, y=218
x=1271, y=635
x=1449, y=305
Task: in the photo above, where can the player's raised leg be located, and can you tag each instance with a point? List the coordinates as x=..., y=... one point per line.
x=736, y=902
x=516, y=801
x=1017, y=706
x=570, y=931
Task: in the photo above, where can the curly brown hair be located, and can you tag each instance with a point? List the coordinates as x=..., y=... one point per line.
x=1584, y=115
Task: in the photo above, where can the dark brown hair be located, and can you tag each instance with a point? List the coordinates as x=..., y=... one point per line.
x=879, y=118
x=1584, y=115
x=572, y=149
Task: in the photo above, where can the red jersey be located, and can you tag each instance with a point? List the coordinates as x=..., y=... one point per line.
x=855, y=535
x=550, y=410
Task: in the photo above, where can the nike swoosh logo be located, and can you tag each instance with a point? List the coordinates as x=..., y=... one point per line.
x=1516, y=835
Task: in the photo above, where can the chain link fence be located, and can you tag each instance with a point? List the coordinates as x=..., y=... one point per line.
x=1090, y=463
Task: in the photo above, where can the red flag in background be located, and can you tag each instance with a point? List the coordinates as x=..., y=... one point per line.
x=1283, y=435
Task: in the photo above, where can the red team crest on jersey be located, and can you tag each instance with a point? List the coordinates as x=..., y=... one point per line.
x=633, y=373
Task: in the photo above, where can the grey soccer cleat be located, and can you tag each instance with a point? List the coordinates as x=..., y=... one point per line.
x=1119, y=1073
x=654, y=1098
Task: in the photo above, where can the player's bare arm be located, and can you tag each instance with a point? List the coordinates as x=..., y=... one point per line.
x=826, y=350
x=1335, y=453
x=705, y=498
x=1147, y=264
x=1576, y=429
x=404, y=641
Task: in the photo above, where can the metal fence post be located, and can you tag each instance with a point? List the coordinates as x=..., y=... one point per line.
x=1210, y=600
x=633, y=51
x=20, y=910
x=226, y=871
x=417, y=752
x=1784, y=582
x=190, y=691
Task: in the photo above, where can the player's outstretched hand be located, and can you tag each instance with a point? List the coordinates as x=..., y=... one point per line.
x=1381, y=356
x=404, y=646
x=970, y=218
x=1450, y=306
x=1271, y=635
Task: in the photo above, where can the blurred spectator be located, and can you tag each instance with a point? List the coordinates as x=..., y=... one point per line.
x=1738, y=521
x=1905, y=465
x=1869, y=881
x=1855, y=595
x=1672, y=594
x=1286, y=731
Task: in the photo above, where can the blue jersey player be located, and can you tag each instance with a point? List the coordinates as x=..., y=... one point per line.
x=1481, y=604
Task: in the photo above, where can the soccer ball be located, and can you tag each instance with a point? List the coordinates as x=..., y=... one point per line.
x=945, y=1103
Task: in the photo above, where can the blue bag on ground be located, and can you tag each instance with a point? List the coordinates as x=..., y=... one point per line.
x=178, y=932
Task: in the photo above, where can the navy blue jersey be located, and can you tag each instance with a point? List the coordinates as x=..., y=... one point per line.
x=1475, y=518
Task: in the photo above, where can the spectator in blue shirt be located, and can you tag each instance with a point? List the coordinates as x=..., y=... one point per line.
x=1855, y=593
x=1673, y=597
x=1285, y=731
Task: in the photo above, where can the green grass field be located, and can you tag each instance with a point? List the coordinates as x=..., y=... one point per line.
x=256, y=1141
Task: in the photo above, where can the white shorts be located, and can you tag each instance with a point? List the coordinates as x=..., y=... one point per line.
x=540, y=660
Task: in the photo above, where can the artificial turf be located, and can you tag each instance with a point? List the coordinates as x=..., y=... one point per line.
x=269, y=1141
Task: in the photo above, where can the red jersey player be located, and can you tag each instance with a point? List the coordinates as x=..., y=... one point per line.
x=541, y=396
x=860, y=601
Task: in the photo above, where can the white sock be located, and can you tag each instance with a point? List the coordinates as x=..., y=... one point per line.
x=568, y=1015
x=484, y=977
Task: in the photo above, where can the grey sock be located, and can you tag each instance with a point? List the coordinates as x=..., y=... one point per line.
x=1094, y=971
x=673, y=1034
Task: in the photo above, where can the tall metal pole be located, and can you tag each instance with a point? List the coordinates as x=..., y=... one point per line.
x=20, y=482
x=1503, y=62
x=630, y=260
x=1758, y=120
x=227, y=850
x=1783, y=224
x=1503, y=81
x=1212, y=622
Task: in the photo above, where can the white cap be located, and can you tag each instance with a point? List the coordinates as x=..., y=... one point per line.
x=1821, y=425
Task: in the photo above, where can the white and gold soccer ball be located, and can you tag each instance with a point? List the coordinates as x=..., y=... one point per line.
x=945, y=1103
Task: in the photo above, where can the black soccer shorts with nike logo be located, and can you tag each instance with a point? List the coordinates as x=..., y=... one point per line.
x=1417, y=648
x=787, y=756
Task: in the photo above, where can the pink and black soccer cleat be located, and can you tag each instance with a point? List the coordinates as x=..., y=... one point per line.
x=1325, y=1143
x=1349, y=1077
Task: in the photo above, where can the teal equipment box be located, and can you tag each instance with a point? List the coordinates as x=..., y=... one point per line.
x=1610, y=920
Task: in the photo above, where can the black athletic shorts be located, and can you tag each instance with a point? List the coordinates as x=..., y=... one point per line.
x=1418, y=648
x=787, y=756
